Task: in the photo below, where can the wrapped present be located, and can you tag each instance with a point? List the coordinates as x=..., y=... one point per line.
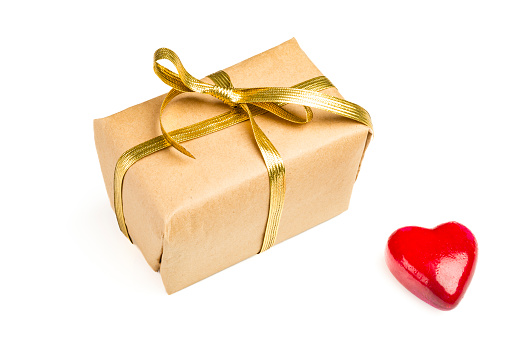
x=224, y=168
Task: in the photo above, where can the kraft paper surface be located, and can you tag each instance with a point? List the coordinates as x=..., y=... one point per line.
x=192, y=218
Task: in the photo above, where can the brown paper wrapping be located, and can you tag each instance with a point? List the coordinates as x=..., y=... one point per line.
x=192, y=218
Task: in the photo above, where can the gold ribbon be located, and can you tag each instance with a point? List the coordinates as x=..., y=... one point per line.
x=245, y=104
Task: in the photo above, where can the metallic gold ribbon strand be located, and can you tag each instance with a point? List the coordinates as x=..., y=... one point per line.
x=272, y=159
x=268, y=99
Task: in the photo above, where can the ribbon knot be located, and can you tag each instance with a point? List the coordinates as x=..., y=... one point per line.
x=227, y=95
x=253, y=101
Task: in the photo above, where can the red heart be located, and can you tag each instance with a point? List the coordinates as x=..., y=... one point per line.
x=436, y=264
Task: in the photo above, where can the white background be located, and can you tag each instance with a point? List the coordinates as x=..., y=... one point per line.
x=434, y=78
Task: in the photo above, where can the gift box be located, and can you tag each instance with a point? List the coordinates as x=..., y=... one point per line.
x=192, y=218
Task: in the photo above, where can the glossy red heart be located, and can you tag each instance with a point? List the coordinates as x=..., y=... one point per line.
x=436, y=264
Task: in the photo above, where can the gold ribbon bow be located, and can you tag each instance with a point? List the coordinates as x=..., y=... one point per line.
x=245, y=103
